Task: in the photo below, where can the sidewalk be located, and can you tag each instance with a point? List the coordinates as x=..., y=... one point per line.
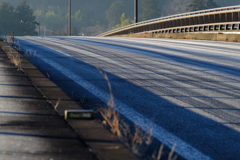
x=30, y=128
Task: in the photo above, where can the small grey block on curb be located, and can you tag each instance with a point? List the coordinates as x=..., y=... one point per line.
x=79, y=114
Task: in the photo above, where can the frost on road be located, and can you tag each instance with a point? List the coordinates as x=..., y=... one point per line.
x=188, y=91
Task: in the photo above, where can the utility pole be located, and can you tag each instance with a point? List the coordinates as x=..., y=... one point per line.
x=69, y=18
x=38, y=23
x=135, y=11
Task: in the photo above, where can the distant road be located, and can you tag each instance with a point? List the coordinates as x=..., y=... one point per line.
x=187, y=91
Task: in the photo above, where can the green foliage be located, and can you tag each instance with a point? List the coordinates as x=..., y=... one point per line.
x=196, y=5
x=91, y=17
x=74, y=31
x=211, y=4
x=52, y=19
x=114, y=12
x=201, y=5
x=25, y=13
x=10, y=19
x=7, y=20
x=78, y=16
x=150, y=9
x=124, y=21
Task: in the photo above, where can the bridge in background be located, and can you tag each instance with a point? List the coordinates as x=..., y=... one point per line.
x=226, y=18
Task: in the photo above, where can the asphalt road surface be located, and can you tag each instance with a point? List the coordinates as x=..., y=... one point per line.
x=186, y=91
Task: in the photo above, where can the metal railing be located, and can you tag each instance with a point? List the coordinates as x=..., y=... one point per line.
x=178, y=17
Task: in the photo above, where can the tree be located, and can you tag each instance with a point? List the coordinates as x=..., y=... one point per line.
x=124, y=21
x=7, y=19
x=201, y=5
x=150, y=9
x=114, y=12
x=75, y=31
x=211, y=4
x=196, y=5
x=24, y=18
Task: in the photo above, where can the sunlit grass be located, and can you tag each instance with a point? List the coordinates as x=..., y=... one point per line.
x=137, y=140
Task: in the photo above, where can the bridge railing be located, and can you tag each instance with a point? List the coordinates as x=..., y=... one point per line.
x=216, y=15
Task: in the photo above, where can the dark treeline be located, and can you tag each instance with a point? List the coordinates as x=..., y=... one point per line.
x=18, y=20
x=92, y=17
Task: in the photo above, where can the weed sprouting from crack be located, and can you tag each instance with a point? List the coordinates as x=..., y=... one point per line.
x=111, y=117
x=57, y=103
x=30, y=54
x=136, y=139
x=83, y=100
x=111, y=97
x=14, y=59
x=109, y=114
x=171, y=153
x=158, y=155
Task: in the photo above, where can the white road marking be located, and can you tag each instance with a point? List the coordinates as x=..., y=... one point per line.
x=182, y=148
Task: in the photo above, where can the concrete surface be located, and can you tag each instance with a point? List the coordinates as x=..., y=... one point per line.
x=31, y=128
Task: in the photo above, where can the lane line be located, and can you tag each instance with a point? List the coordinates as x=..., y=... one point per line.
x=183, y=149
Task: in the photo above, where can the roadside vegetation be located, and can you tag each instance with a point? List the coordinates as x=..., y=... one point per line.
x=89, y=18
x=197, y=5
x=18, y=20
x=137, y=140
x=13, y=56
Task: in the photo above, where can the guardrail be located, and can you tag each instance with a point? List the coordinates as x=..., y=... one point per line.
x=210, y=16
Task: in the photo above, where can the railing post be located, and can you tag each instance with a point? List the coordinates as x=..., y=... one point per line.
x=218, y=18
x=238, y=16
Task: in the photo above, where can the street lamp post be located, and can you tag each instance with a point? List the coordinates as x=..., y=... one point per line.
x=34, y=22
x=135, y=11
x=69, y=18
x=37, y=23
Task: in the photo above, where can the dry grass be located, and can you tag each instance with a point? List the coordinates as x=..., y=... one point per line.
x=109, y=114
x=17, y=46
x=14, y=58
x=83, y=100
x=57, y=103
x=159, y=154
x=160, y=151
x=137, y=140
x=111, y=117
x=30, y=54
x=170, y=155
x=121, y=129
x=8, y=39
